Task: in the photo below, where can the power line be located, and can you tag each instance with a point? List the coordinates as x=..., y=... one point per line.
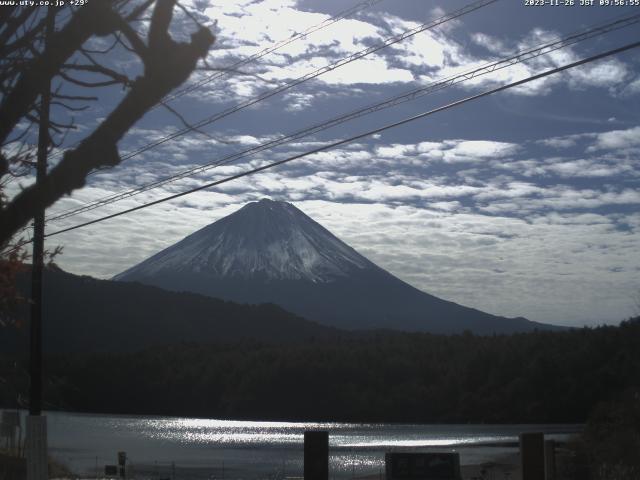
x=274, y=47
x=252, y=101
x=262, y=53
x=359, y=136
x=522, y=56
x=314, y=74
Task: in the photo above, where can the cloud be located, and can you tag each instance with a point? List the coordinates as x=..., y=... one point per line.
x=298, y=101
x=633, y=87
x=476, y=150
x=547, y=265
x=617, y=139
x=586, y=168
x=604, y=73
x=534, y=240
x=490, y=43
x=561, y=142
x=448, y=151
x=510, y=190
x=242, y=26
x=610, y=74
x=544, y=227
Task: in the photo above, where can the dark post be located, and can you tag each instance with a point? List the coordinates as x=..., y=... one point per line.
x=35, y=362
x=550, y=459
x=316, y=455
x=37, y=424
x=122, y=464
x=532, y=456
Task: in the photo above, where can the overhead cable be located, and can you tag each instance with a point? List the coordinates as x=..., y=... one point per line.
x=356, y=137
x=316, y=73
x=276, y=46
x=233, y=68
x=391, y=102
x=311, y=75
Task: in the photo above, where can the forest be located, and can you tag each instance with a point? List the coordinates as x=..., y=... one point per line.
x=537, y=377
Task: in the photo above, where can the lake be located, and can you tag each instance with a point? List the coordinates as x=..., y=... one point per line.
x=159, y=447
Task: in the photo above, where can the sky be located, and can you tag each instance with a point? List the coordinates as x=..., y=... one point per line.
x=522, y=203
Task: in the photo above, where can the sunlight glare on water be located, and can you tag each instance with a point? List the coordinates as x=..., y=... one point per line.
x=425, y=442
x=230, y=432
x=230, y=449
x=281, y=434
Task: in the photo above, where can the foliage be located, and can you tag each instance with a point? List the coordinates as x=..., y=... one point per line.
x=535, y=377
x=28, y=64
x=78, y=318
x=10, y=266
x=12, y=259
x=40, y=46
x=611, y=440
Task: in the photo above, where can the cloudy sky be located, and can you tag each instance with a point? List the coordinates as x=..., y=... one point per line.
x=524, y=203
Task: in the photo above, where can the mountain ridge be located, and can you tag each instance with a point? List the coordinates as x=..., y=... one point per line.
x=247, y=243
x=269, y=251
x=85, y=314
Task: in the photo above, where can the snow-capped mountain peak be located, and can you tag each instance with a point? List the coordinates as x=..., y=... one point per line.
x=270, y=251
x=265, y=239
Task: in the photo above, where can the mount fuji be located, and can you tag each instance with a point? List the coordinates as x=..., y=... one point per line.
x=271, y=252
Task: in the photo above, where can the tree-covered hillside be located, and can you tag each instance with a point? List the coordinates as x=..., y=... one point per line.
x=533, y=377
x=84, y=314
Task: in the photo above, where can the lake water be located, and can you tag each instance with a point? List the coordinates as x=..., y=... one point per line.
x=159, y=447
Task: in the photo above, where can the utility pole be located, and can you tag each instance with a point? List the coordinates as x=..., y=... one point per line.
x=37, y=468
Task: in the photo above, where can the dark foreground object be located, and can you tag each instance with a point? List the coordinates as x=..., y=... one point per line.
x=12, y=468
x=422, y=466
x=316, y=455
x=532, y=455
x=83, y=314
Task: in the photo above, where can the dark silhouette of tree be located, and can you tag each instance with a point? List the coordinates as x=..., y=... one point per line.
x=537, y=377
x=12, y=264
x=27, y=65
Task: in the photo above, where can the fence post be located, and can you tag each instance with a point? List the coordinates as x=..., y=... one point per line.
x=550, y=459
x=316, y=455
x=532, y=456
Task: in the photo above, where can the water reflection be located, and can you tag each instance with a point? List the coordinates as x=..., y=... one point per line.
x=281, y=434
x=200, y=448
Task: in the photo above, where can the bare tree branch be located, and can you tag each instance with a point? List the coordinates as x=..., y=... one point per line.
x=167, y=64
x=188, y=13
x=12, y=26
x=186, y=124
x=116, y=77
x=69, y=107
x=86, y=84
x=96, y=18
x=137, y=45
x=102, y=52
x=78, y=98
